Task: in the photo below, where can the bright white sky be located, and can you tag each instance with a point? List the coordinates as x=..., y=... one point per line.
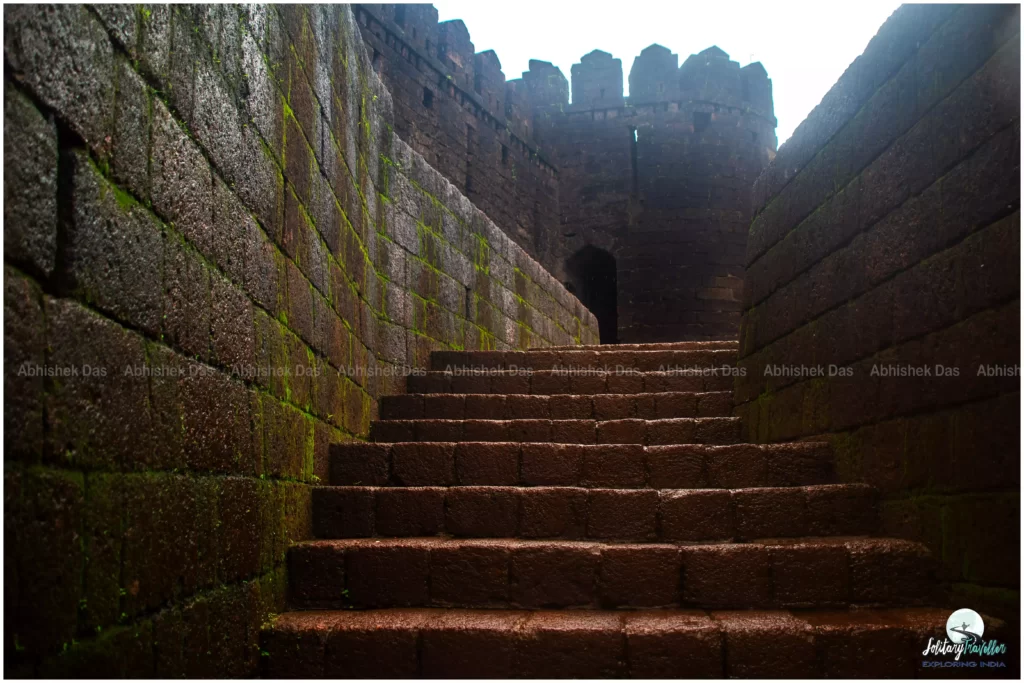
x=805, y=47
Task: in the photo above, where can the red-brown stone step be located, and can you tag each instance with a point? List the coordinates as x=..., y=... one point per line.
x=562, y=382
x=562, y=512
x=670, y=643
x=531, y=574
x=482, y=463
x=682, y=430
x=557, y=407
x=654, y=346
x=609, y=358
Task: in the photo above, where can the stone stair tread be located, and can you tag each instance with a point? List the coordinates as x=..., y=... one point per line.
x=651, y=405
x=549, y=464
x=645, y=643
x=612, y=359
x=596, y=512
x=665, y=431
x=554, y=382
x=859, y=543
x=724, y=344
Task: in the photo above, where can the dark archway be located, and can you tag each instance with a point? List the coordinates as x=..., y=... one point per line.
x=593, y=279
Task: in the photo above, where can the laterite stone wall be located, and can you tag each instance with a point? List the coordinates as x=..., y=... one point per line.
x=217, y=256
x=453, y=106
x=887, y=235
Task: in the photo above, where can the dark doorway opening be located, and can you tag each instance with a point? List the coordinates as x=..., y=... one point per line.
x=593, y=280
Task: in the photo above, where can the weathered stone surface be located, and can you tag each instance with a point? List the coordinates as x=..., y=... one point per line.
x=64, y=55
x=130, y=144
x=163, y=531
x=155, y=40
x=215, y=422
x=42, y=523
x=114, y=247
x=232, y=330
x=30, y=184
x=186, y=314
x=122, y=20
x=180, y=181
x=96, y=410
x=24, y=359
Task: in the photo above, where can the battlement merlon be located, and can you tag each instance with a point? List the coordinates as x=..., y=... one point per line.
x=456, y=51
x=597, y=81
x=758, y=89
x=710, y=76
x=546, y=86
x=654, y=76
x=489, y=81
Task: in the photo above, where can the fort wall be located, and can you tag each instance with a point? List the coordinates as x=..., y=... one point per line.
x=454, y=108
x=886, y=243
x=218, y=254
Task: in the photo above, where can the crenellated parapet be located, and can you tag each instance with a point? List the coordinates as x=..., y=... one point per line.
x=442, y=56
x=709, y=77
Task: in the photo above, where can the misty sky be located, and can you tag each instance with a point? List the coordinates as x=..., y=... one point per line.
x=805, y=47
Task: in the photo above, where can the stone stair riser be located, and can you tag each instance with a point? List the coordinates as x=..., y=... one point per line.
x=557, y=407
x=682, y=430
x=435, y=643
x=514, y=574
x=552, y=382
x=610, y=360
x=690, y=466
x=607, y=514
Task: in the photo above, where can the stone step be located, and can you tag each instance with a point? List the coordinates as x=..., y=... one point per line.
x=682, y=430
x=566, y=382
x=651, y=643
x=558, y=407
x=563, y=512
x=531, y=574
x=690, y=466
x=655, y=346
x=610, y=358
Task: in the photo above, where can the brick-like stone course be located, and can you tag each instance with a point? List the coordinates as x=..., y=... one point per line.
x=198, y=199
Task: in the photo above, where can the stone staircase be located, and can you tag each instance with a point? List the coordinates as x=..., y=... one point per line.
x=514, y=519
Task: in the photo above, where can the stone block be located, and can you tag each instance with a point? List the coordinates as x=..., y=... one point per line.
x=115, y=249
x=30, y=184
